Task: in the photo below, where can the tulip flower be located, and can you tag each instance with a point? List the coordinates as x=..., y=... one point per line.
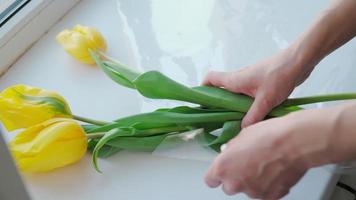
x=52, y=144
x=22, y=106
x=79, y=40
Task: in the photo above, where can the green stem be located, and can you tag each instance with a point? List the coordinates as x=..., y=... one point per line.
x=318, y=99
x=95, y=135
x=90, y=121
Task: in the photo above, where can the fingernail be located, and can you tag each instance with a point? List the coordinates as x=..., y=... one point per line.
x=247, y=121
x=223, y=147
x=244, y=124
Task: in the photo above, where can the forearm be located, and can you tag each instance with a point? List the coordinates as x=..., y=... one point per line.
x=322, y=136
x=335, y=26
x=343, y=144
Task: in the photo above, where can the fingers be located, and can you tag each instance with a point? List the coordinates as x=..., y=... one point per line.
x=261, y=106
x=232, y=187
x=215, y=78
x=216, y=176
x=211, y=178
x=212, y=181
x=233, y=81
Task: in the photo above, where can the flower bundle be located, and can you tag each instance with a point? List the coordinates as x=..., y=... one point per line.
x=52, y=138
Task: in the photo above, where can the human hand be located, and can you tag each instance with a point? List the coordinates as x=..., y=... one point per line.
x=270, y=82
x=266, y=159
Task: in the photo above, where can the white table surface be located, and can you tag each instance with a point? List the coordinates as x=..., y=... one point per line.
x=184, y=39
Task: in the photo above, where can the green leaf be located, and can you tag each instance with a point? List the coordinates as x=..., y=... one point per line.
x=125, y=71
x=130, y=132
x=88, y=127
x=155, y=85
x=230, y=130
x=180, y=118
x=117, y=77
x=116, y=71
x=91, y=144
x=210, y=138
x=292, y=108
x=105, y=152
x=142, y=130
x=148, y=143
x=162, y=118
x=181, y=109
x=318, y=99
x=108, y=136
x=192, y=110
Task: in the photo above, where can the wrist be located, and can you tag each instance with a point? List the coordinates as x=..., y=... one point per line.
x=299, y=64
x=310, y=134
x=343, y=148
x=304, y=61
x=322, y=136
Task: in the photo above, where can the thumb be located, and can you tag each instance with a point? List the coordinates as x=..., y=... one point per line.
x=260, y=107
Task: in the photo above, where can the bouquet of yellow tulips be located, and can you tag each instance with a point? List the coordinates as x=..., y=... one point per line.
x=53, y=137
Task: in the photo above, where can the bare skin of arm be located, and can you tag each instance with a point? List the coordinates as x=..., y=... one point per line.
x=267, y=158
x=272, y=80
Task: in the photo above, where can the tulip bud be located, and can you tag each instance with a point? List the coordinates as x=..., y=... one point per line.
x=79, y=40
x=52, y=144
x=22, y=106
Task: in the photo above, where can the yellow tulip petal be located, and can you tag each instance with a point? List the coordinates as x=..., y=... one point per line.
x=93, y=35
x=58, y=155
x=49, y=145
x=22, y=106
x=79, y=40
x=38, y=137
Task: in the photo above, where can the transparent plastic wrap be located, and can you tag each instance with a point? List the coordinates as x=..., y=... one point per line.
x=191, y=145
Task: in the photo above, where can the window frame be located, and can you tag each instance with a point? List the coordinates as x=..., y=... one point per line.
x=11, y=10
x=24, y=28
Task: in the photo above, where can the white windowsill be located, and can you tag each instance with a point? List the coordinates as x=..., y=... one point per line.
x=134, y=175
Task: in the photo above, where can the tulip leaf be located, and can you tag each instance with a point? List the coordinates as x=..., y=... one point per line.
x=118, y=73
x=91, y=144
x=123, y=70
x=142, y=130
x=180, y=118
x=167, y=118
x=191, y=110
x=209, y=138
x=148, y=143
x=128, y=132
x=108, y=136
x=318, y=98
x=155, y=85
x=88, y=127
x=126, y=71
x=229, y=131
x=105, y=152
x=118, y=78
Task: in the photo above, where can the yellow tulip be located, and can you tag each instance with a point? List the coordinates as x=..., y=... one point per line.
x=22, y=106
x=52, y=144
x=79, y=40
